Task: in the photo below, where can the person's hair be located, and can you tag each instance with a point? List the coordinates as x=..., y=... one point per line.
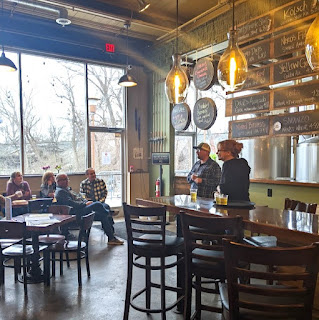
x=57, y=178
x=232, y=146
x=47, y=175
x=87, y=170
x=13, y=175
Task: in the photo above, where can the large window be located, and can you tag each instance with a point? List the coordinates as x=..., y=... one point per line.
x=52, y=115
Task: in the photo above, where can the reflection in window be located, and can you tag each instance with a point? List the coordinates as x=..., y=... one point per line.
x=9, y=120
x=108, y=108
x=53, y=114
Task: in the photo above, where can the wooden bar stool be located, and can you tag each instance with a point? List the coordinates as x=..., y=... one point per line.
x=147, y=241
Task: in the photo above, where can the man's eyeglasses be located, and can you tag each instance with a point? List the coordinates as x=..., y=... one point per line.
x=64, y=179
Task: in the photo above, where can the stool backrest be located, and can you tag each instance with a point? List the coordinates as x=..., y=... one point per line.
x=300, y=206
x=206, y=233
x=85, y=228
x=40, y=205
x=59, y=209
x=12, y=229
x=145, y=225
x=281, y=300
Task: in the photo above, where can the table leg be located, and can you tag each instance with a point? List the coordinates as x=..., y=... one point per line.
x=36, y=273
x=180, y=270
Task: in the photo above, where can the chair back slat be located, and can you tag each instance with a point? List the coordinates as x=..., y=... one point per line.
x=143, y=230
x=59, y=209
x=12, y=229
x=294, y=275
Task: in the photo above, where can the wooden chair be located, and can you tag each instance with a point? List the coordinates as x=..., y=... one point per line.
x=300, y=206
x=40, y=205
x=81, y=247
x=13, y=245
x=147, y=239
x=204, y=256
x=257, y=300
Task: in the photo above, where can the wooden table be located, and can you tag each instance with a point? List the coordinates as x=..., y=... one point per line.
x=293, y=227
x=36, y=274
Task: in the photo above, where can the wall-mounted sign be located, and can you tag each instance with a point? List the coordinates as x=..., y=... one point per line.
x=249, y=128
x=290, y=124
x=203, y=74
x=205, y=113
x=162, y=158
x=138, y=153
x=259, y=51
x=259, y=77
x=181, y=116
x=248, y=104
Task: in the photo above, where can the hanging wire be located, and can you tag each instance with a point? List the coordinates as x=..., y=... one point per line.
x=233, y=14
x=176, y=26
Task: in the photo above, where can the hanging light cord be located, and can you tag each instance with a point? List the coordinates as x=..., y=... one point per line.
x=233, y=14
x=176, y=27
x=127, y=46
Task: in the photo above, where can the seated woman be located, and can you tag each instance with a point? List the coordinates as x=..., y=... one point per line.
x=17, y=189
x=235, y=172
x=48, y=185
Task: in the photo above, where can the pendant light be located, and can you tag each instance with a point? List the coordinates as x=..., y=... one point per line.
x=312, y=45
x=127, y=80
x=176, y=83
x=142, y=5
x=232, y=67
x=5, y=63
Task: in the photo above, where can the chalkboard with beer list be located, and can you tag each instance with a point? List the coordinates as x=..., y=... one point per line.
x=303, y=94
x=259, y=102
x=205, y=113
x=291, y=41
x=254, y=28
x=296, y=11
x=203, y=74
x=181, y=116
x=257, y=52
x=290, y=124
x=290, y=69
x=249, y=128
x=259, y=77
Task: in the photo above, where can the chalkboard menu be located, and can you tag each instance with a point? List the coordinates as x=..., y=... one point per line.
x=254, y=28
x=259, y=77
x=181, y=116
x=257, y=52
x=249, y=104
x=203, y=74
x=295, y=123
x=293, y=68
x=249, y=128
x=303, y=94
x=205, y=113
x=295, y=11
x=290, y=41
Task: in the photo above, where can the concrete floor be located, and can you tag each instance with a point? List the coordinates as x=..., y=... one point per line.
x=101, y=296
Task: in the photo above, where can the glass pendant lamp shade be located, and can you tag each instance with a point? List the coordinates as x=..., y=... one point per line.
x=176, y=83
x=232, y=67
x=312, y=45
x=6, y=64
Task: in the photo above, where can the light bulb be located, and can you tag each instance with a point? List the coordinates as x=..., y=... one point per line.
x=232, y=67
x=176, y=83
x=312, y=45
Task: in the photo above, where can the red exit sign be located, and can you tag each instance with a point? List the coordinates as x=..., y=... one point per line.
x=109, y=47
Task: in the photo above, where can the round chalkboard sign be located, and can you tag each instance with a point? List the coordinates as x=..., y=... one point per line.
x=203, y=74
x=205, y=113
x=181, y=116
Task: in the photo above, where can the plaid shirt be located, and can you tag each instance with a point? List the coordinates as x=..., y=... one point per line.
x=210, y=173
x=99, y=189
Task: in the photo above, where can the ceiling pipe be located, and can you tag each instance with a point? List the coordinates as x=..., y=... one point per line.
x=62, y=12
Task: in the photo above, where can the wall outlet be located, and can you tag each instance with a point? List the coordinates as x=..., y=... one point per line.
x=269, y=193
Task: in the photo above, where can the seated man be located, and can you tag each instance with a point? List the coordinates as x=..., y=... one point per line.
x=81, y=207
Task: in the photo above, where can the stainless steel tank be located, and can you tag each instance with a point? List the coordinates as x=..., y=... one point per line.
x=268, y=158
x=307, y=160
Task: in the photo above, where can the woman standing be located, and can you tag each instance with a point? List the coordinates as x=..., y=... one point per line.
x=17, y=188
x=48, y=185
x=235, y=172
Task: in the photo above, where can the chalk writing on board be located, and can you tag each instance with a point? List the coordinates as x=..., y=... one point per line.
x=203, y=74
x=205, y=113
x=181, y=116
x=251, y=103
x=250, y=128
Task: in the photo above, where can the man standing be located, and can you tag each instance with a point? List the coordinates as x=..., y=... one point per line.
x=81, y=207
x=205, y=174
